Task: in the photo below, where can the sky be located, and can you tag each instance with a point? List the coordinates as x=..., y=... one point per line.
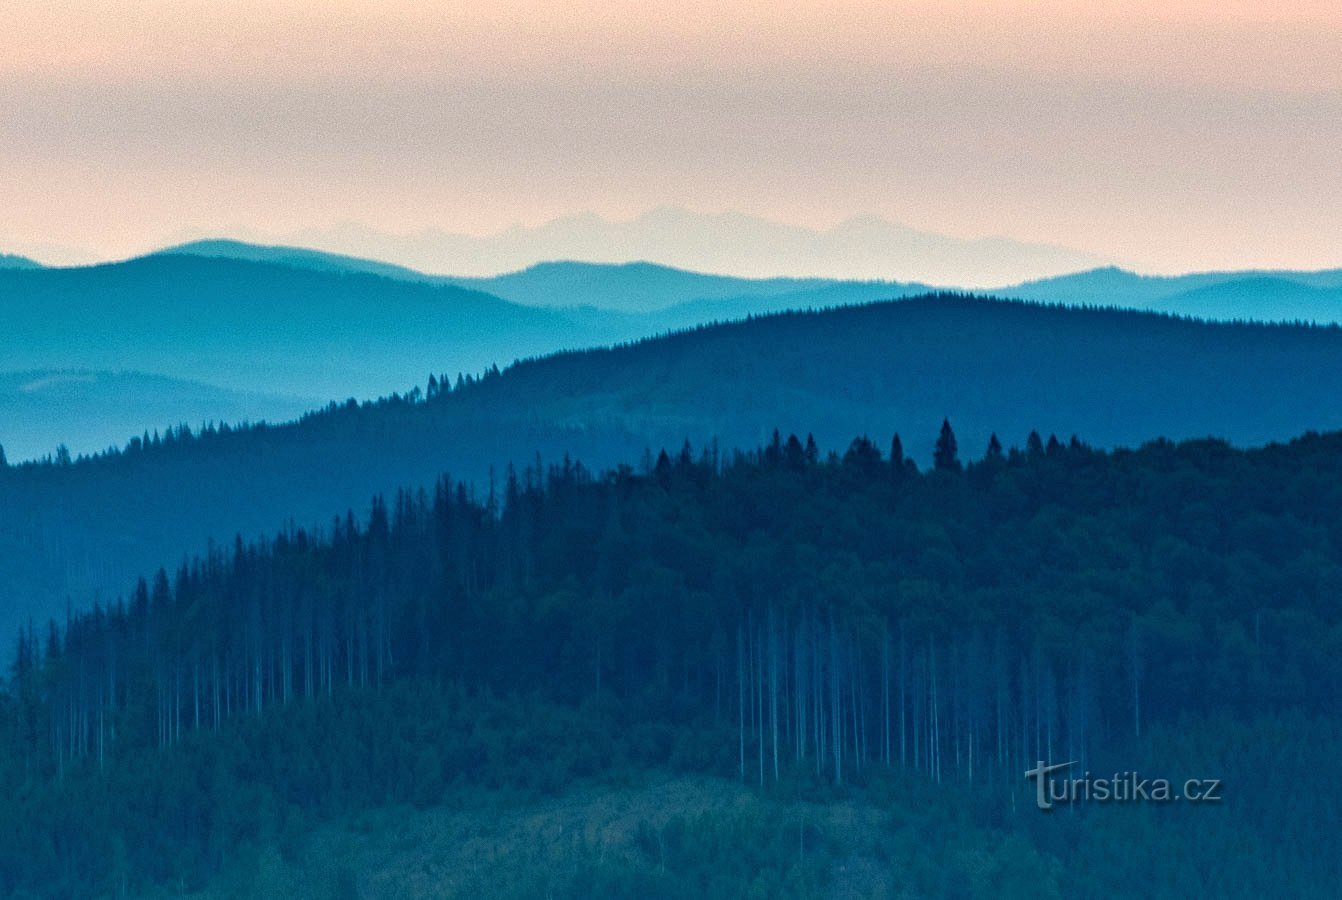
x=1164, y=136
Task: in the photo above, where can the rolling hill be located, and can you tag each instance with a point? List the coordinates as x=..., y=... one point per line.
x=637, y=287
x=296, y=257
x=267, y=327
x=632, y=288
x=678, y=298
x=90, y=410
x=1247, y=295
x=274, y=327
x=10, y=261
x=1112, y=377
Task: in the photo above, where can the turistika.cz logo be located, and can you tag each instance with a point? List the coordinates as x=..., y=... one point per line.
x=1122, y=787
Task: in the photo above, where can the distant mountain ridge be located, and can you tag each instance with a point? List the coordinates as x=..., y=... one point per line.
x=263, y=326
x=284, y=322
x=635, y=287
x=651, y=288
x=628, y=287
x=863, y=247
x=298, y=257
x=1264, y=296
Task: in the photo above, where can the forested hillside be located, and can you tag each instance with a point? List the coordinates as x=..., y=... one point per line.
x=83, y=411
x=817, y=626
x=77, y=532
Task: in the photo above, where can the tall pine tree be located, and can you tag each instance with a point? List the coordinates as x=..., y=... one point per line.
x=945, y=457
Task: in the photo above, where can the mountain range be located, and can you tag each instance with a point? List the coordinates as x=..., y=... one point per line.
x=864, y=247
x=279, y=329
x=683, y=297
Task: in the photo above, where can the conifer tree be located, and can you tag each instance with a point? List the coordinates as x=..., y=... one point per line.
x=1034, y=446
x=945, y=458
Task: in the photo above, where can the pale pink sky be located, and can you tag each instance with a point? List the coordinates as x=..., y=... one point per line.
x=1166, y=135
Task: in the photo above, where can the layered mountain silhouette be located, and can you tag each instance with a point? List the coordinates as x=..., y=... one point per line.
x=683, y=297
x=275, y=327
x=263, y=326
x=1248, y=295
x=1111, y=377
x=291, y=325
x=635, y=287
x=862, y=247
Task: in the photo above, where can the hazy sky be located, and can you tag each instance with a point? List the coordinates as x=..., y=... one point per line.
x=1166, y=135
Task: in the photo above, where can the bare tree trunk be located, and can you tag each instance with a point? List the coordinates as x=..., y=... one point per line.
x=773, y=685
x=836, y=706
x=741, y=695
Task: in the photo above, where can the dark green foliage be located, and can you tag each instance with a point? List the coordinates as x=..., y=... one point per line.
x=1117, y=378
x=769, y=618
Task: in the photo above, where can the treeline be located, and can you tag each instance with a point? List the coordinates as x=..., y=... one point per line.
x=841, y=613
x=767, y=616
x=86, y=530
x=181, y=436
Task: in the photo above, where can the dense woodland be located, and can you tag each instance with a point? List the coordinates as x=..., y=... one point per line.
x=72, y=531
x=793, y=620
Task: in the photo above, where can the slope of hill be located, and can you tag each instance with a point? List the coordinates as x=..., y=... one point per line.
x=679, y=298
x=297, y=257
x=1259, y=295
x=1114, y=378
x=628, y=287
x=90, y=410
x=1262, y=299
x=10, y=261
x=848, y=663
x=279, y=324
x=267, y=327
x=694, y=313
x=633, y=288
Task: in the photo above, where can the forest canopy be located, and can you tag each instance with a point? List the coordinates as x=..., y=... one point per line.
x=764, y=617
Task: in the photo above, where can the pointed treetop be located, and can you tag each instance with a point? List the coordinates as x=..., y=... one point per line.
x=994, y=447
x=945, y=456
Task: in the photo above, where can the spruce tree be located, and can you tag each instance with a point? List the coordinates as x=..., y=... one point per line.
x=812, y=450
x=945, y=457
x=994, y=448
x=1034, y=445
